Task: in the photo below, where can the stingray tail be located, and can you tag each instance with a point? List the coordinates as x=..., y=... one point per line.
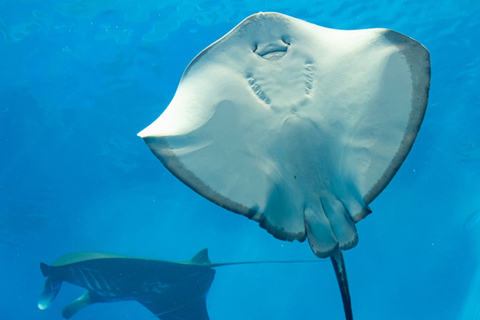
x=341, y=273
x=50, y=288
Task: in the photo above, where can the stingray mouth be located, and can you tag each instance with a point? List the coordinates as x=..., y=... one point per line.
x=271, y=50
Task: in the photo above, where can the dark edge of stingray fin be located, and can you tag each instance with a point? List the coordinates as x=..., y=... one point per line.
x=341, y=274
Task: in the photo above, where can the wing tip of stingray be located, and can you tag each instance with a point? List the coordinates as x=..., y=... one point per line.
x=143, y=134
x=418, y=59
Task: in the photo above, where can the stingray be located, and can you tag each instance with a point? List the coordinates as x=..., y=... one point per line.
x=170, y=290
x=296, y=126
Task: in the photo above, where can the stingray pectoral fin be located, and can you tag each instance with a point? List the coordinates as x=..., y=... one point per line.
x=83, y=301
x=50, y=288
x=341, y=273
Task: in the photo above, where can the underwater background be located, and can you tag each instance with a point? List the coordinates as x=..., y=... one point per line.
x=79, y=80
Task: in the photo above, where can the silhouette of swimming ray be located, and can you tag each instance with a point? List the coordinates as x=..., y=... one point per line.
x=170, y=290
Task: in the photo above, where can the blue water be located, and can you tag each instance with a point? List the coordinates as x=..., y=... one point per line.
x=79, y=79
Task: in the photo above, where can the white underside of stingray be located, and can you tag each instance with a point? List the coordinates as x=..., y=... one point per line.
x=296, y=126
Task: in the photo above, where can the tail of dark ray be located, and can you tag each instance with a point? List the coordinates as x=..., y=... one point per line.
x=50, y=289
x=341, y=273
